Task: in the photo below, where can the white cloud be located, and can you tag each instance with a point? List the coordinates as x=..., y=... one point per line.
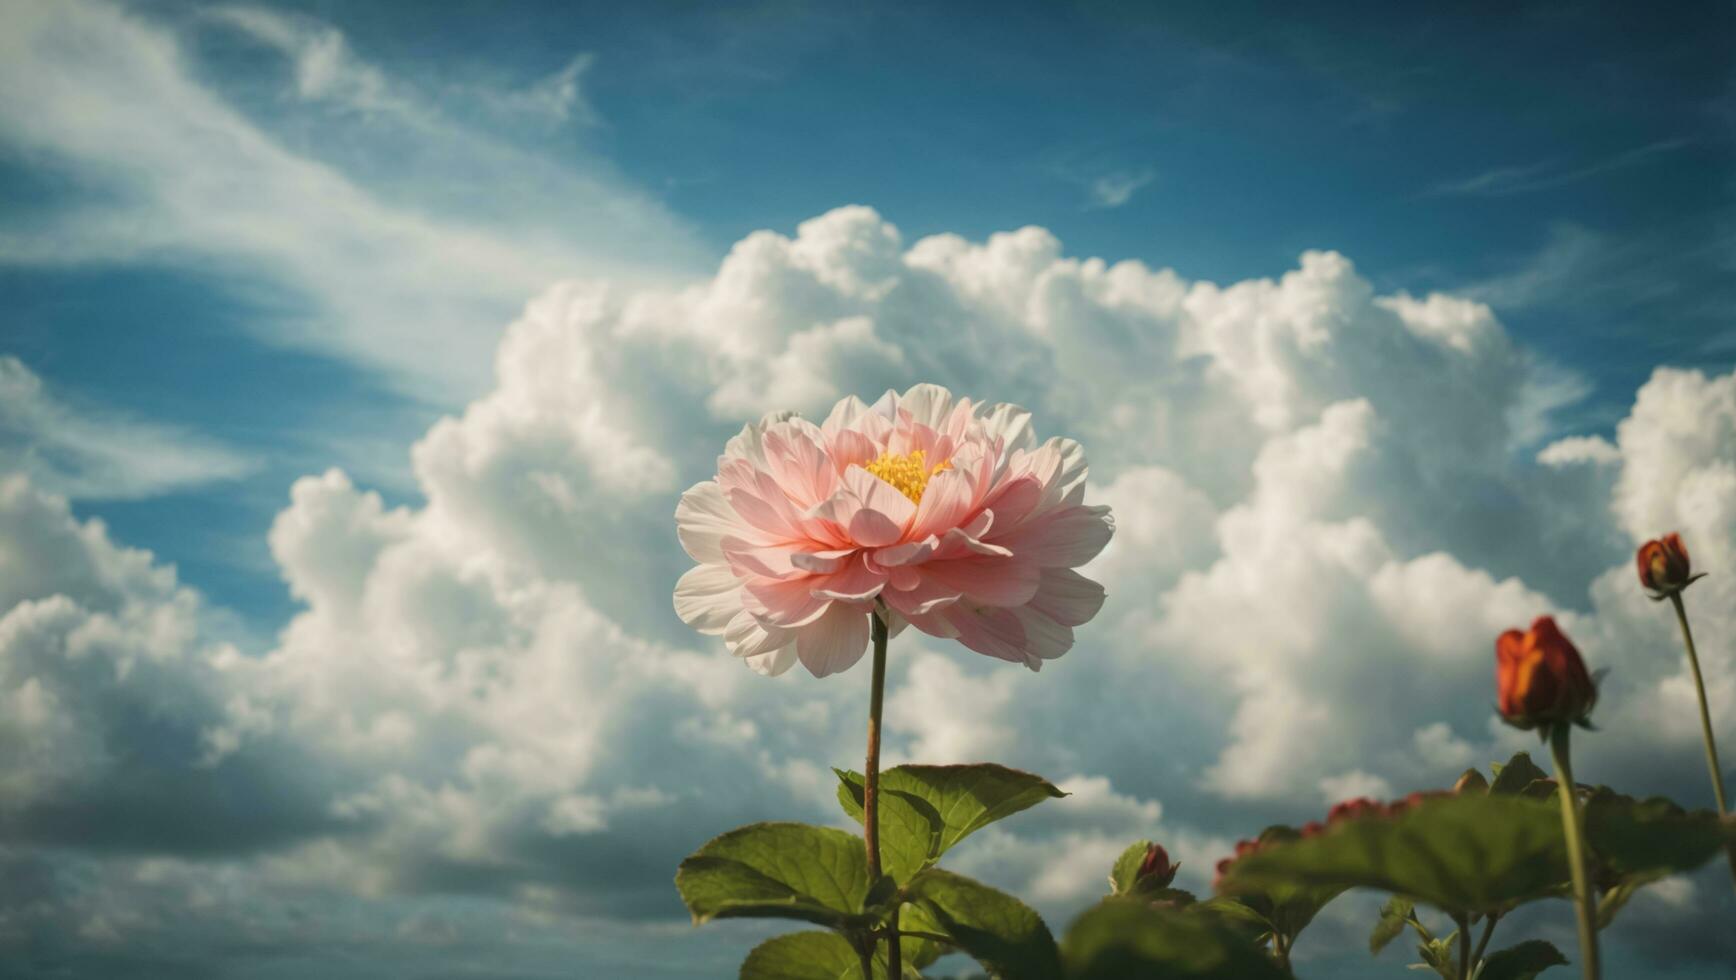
x=173, y=171
x=1323, y=528
x=1115, y=189
x=92, y=452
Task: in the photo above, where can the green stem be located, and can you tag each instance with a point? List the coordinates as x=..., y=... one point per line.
x=1576, y=856
x=1483, y=943
x=871, y=787
x=1464, y=947
x=1281, y=949
x=1712, y=766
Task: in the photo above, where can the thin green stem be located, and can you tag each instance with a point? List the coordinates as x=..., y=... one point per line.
x=1464, y=946
x=1281, y=949
x=1712, y=766
x=871, y=786
x=1576, y=856
x=1483, y=943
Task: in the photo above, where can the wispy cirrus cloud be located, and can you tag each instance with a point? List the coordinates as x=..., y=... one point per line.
x=95, y=452
x=1113, y=190
x=1523, y=179
x=408, y=233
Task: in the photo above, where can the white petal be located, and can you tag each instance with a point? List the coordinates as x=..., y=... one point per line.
x=835, y=641
x=703, y=518
x=707, y=598
x=774, y=663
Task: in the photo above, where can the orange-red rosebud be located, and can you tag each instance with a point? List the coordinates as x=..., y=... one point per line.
x=1156, y=867
x=1663, y=564
x=1540, y=678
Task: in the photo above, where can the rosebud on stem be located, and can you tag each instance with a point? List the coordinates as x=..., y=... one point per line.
x=1571, y=825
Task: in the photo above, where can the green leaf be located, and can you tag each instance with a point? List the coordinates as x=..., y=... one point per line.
x=1394, y=916
x=778, y=870
x=1471, y=781
x=1283, y=907
x=1126, y=870
x=996, y=929
x=1122, y=937
x=1649, y=838
x=1519, y=772
x=1462, y=854
x=1521, y=962
x=919, y=953
x=938, y=806
x=803, y=956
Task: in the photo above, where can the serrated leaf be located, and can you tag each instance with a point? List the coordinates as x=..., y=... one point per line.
x=803, y=956
x=1126, y=869
x=778, y=870
x=996, y=929
x=1462, y=854
x=1123, y=937
x=1394, y=916
x=1519, y=772
x=1521, y=962
x=955, y=802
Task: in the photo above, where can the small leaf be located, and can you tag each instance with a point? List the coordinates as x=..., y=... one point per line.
x=1471, y=781
x=1521, y=962
x=1394, y=916
x=1462, y=854
x=1518, y=773
x=778, y=870
x=803, y=956
x=1126, y=870
x=1121, y=937
x=909, y=826
x=996, y=929
x=951, y=801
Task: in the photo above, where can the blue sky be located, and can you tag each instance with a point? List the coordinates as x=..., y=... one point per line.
x=245, y=245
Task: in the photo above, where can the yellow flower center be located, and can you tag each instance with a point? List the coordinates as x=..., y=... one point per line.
x=908, y=474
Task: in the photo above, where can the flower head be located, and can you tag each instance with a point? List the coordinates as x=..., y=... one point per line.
x=940, y=513
x=1540, y=679
x=1663, y=564
x=1155, y=869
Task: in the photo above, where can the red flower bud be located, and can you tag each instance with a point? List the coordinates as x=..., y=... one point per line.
x=1540, y=678
x=1664, y=564
x=1156, y=867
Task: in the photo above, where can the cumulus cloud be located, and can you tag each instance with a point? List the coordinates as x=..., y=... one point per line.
x=91, y=452
x=1325, y=518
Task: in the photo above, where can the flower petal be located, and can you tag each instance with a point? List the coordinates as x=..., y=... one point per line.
x=988, y=581
x=708, y=597
x=855, y=582
x=884, y=513
x=834, y=641
x=773, y=663
x=1067, y=537
x=703, y=518
x=1067, y=597
x=988, y=630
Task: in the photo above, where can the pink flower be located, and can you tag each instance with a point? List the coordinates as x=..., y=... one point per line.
x=945, y=511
